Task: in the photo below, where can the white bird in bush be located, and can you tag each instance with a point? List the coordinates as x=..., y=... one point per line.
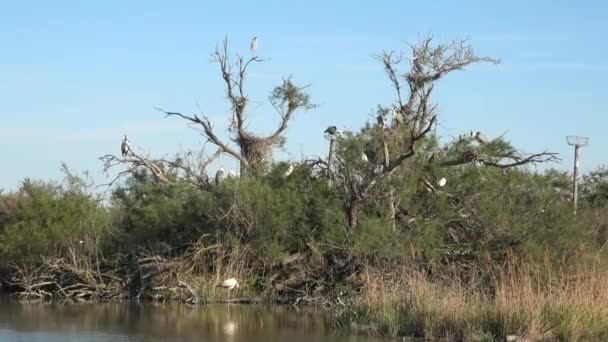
x=289, y=171
x=229, y=284
x=442, y=182
x=364, y=157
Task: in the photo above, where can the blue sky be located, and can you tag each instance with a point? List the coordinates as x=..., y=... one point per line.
x=76, y=76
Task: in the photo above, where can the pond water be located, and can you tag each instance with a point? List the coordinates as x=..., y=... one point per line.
x=161, y=322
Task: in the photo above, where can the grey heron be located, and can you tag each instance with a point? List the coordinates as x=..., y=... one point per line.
x=125, y=147
x=331, y=130
x=219, y=175
x=254, y=44
x=397, y=118
x=481, y=138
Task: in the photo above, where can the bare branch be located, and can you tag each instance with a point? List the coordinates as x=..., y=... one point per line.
x=207, y=132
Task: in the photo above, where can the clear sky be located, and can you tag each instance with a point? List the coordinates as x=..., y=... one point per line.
x=75, y=76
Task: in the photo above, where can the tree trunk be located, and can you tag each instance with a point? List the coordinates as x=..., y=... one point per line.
x=353, y=211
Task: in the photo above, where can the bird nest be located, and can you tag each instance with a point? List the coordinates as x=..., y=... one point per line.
x=256, y=149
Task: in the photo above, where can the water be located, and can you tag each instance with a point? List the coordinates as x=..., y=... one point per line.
x=161, y=322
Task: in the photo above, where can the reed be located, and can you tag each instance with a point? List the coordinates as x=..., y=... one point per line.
x=531, y=301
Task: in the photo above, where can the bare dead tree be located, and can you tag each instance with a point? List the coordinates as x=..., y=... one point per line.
x=253, y=150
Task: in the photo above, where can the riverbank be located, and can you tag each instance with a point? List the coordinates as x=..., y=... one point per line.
x=534, y=301
x=530, y=302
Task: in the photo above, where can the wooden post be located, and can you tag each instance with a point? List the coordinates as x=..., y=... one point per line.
x=575, y=178
x=330, y=158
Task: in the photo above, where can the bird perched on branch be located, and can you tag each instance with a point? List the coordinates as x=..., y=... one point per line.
x=380, y=120
x=481, y=138
x=331, y=132
x=219, y=175
x=397, y=118
x=254, y=44
x=125, y=147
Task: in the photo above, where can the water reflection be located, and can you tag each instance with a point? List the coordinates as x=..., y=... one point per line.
x=154, y=322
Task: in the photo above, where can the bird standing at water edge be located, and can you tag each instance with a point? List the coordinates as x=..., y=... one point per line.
x=229, y=284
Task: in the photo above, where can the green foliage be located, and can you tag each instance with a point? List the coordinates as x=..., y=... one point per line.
x=48, y=219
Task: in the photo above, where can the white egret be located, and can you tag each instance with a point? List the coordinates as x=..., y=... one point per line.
x=442, y=182
x=125, y=147
x=219, y=175
x=254, y=44
x=229, y=284
x=364, y=157
x=289, y=171
x=233, y=174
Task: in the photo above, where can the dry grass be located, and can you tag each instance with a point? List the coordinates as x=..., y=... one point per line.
x=529, y=301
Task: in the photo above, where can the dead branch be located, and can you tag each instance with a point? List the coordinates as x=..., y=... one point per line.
x=253, y=150
x=193, y=172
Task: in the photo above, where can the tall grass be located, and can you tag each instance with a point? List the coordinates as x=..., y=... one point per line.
x=530, y=301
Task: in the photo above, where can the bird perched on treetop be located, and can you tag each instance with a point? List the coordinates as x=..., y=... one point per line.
x=125, y=147
x=380, y=120
x=254, y=44
x=331, y=130
x=481, y=138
